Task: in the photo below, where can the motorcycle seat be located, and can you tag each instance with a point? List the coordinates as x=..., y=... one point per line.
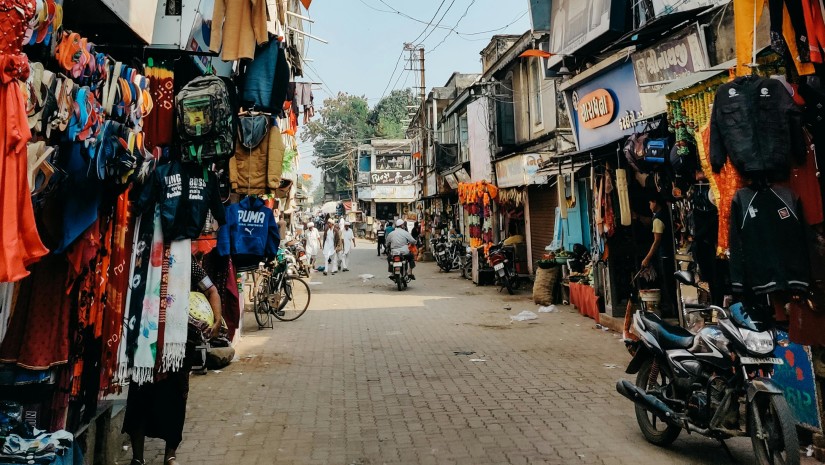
x=669, y=336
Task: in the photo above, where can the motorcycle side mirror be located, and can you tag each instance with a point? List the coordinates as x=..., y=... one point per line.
x=685, y=277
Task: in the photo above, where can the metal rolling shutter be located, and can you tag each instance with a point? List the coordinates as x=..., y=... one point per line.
x=543, y=203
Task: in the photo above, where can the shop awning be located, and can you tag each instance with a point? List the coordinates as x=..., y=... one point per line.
x=394, y=200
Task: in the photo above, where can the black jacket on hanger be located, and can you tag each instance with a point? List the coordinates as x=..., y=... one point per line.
x=768, y=246
x=755, y=122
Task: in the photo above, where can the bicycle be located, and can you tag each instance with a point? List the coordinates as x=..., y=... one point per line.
x=279, y=294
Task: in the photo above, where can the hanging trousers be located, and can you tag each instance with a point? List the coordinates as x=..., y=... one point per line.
x=743, y=13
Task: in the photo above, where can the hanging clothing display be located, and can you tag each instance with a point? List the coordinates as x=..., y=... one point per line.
x=258, y=163
x=185, y=193
x=160, y=122
x=38, y=333
x=236, y=27
x=747, y=15
x=251, y=233
x=266, y=79
x=768, y=244
x=755, y=122
x=21, y=242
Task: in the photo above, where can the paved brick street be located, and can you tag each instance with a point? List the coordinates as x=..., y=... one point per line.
x=370, y=376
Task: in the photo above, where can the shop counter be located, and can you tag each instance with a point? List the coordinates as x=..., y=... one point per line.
x=584, y=298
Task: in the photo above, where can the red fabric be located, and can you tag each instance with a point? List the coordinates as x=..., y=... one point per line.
x=38, y=333
x=584, y=298
x=815, y=27
x=805, y=326
x=805, y=184
x=160, y=122
x=118, y=285
x=21, y=245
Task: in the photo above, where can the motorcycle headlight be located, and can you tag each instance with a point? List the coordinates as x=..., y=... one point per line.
x=760, y=343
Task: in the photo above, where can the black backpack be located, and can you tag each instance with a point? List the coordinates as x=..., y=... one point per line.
x=206, y=120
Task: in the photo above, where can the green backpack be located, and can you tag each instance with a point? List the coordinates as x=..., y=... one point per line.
x=206, y=120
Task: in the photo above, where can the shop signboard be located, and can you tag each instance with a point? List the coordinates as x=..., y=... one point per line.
x=393, y=162
x=615, y=88
x=667, y=61
x=390, y=177
x=403, y=194
x=796, y=377
x=520, y=170
x=451, y=180
x=363, y=177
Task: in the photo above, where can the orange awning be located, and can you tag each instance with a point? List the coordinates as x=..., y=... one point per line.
x=306, y=3
x=536, y=53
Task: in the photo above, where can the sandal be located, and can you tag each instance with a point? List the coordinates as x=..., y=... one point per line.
x=171, y=459
x=137, y=462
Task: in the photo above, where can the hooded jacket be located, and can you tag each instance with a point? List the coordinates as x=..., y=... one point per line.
x=768, y=250
x=186, y=193
x=251, y=233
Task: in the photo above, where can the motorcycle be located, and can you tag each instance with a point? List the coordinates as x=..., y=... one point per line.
x=448, y=254
x=500, y=257
x=298, y=259
x=400, y=271
x=708, y=383
x=467, y=263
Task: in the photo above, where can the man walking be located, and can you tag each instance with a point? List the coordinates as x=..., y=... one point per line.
x=380, y=237
x=348, y=237
x=332, y=241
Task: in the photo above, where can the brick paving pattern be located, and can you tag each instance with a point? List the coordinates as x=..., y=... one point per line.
x=369, y=376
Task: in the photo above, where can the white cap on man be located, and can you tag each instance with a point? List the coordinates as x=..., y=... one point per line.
x=399, y=222
x=310, y=225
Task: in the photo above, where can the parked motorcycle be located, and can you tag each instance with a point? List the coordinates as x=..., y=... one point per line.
x=467, y=263
x=400, y=271
x=297, y=259
x=716, y=383
x=501, y=258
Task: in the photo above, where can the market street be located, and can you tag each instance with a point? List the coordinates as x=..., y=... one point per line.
x=372, y=376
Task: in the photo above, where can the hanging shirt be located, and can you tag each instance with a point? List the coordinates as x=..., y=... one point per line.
x=237, y=26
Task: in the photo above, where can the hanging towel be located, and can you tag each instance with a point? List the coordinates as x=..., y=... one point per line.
x=624, y=197
x=177, y=279
x=147, y=339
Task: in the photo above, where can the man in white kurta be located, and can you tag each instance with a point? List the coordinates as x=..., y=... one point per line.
x=348, y=236
x=331, y=238
x=313, y=246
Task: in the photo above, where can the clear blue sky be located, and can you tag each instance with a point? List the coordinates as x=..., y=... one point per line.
x=365, y=44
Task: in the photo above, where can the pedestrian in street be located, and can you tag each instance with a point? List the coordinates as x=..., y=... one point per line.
x=158, y=409
x=387, y=231
x=332, y=242
x=313, y=243
x=348, y=237
x=416, y=233
x=380, y=237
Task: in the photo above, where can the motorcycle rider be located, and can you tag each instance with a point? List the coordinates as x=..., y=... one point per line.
x=399, y=242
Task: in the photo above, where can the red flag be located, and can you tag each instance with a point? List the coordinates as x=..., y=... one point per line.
x=306, y=3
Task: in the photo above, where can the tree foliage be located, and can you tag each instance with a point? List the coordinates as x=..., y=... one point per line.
x=346, y=121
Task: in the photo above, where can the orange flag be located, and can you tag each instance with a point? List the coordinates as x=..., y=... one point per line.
x=306, y=3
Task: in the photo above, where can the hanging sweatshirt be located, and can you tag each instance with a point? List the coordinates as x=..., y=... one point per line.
x=251, y=233
x=186, y=193
x=768, y=250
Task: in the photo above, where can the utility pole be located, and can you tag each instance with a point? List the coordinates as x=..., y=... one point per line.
x=353, y=180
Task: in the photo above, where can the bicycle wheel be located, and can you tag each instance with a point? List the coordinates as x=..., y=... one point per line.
x=263, y=315
x=295, y=299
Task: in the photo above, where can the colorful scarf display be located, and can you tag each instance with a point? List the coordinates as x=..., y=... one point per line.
x=147, y=338
x=174, y=316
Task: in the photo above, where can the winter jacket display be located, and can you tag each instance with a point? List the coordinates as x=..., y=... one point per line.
x=251, y=233
x=186, y=193
x=237, y=26
x=768, y=247
x=267, y=78
x=756, y=123
x=257, y=169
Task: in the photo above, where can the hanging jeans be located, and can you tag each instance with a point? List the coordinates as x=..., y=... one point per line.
x=743, y=14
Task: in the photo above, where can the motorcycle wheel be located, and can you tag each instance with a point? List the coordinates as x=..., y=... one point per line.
x=655, y=430
x=467, y=271
x=780, y=446
x=510, y=284
x=400, y=281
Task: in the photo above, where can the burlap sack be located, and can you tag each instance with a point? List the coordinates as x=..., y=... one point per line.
x=544, y=285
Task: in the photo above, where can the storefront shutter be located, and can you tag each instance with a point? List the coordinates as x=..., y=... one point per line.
x=543, y=202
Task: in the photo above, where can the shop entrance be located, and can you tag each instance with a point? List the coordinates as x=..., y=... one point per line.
x=386, y=211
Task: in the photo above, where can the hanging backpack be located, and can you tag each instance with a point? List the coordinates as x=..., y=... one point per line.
x=206, y=125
